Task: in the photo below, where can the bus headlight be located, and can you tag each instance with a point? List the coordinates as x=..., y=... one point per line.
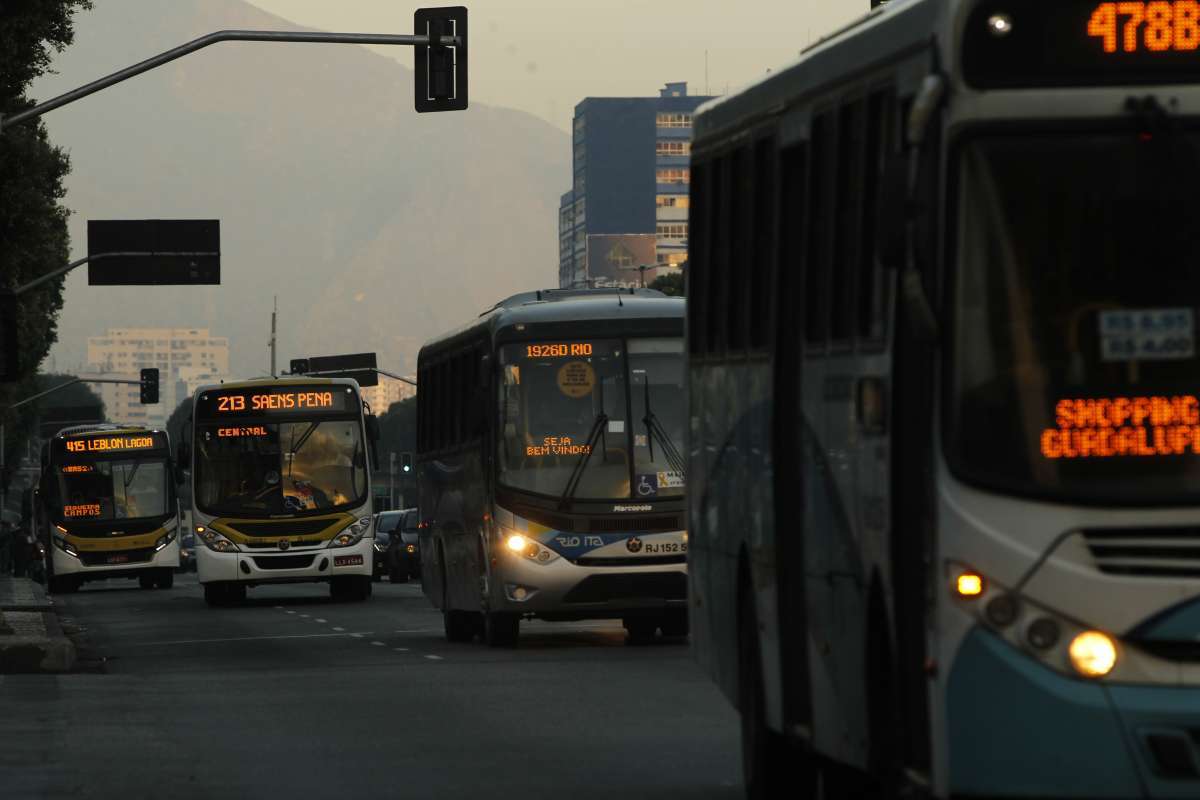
x=65, y=546
x=530, y=548
x=217, y=543
x=1093, y=654
x=353, y=534
x=167, y=537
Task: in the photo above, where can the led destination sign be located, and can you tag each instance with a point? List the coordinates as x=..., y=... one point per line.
x=1025, y=43
x=559, y=350
x=321, y=399
x=1124, y=427
x=108, y=444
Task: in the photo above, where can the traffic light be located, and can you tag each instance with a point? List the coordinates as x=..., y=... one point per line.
x=406, y=463
x=149, y=386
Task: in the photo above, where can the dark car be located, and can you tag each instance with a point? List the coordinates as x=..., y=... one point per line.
x=187, y=553
x=403, y=555
x=385, y=523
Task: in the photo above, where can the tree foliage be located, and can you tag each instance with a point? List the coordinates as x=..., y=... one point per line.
x=671, y=284
x=398, y=430
x=33, y=221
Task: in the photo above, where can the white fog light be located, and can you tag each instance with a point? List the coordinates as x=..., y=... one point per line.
x=1093, y=654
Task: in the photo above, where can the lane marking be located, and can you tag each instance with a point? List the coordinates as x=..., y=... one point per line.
x=318, y=619
x=249, y=639
x=379, y=644
x=304, y=616
x=434, y=658
x=400, y=649
x=421, y=630
x=336, y=628
x=279, y=608
x=289, y=612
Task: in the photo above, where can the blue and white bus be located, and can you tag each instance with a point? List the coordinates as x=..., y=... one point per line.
x=945, y=403
x=551, y=466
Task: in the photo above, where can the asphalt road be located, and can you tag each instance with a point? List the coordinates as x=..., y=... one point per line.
x=294, y=696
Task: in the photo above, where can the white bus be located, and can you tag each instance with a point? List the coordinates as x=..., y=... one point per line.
x=281, y=486
x=551, y=466
x=945, y=452
x=106, y=507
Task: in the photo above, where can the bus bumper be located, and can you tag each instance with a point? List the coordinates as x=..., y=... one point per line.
x=67, y=564
x=1019, y=729
x=562, y=590
x=295, y=566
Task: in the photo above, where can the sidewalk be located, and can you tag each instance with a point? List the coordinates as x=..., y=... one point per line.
x=31, y=640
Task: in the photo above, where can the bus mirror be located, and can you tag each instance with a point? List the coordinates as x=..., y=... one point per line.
x=373, y=432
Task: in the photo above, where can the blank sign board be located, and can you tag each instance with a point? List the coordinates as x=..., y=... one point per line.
x=154, y=252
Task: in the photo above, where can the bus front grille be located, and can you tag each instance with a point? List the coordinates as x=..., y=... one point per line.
x=284, y=562
x=1146, y=552
x=635, y=586
x=116, y=557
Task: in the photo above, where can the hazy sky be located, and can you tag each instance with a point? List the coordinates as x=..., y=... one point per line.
x=543, y=56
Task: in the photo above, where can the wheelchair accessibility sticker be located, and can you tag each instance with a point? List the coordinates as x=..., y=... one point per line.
x=646, y=485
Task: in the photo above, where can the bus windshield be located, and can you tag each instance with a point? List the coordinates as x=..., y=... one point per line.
x=1073, y=367
x=592, y=419
x=108, y=490
x=299, y=466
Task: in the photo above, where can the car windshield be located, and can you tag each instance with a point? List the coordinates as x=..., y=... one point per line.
x=1074, y=350
x=293, y=467
x=388, y=522
x=593, y=419
x=107, y=490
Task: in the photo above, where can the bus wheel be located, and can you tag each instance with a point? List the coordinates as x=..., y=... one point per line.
x=675, y=624
x=166, y=578
x=457, y=625
x=767, y=764
x=501, y=629
x=146, y=580
x=640, y=630
x=62, y=584
x=214, y=594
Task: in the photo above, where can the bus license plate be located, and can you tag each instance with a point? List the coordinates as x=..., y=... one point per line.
x=119, y=558
x=665, y=548
x=347, y=561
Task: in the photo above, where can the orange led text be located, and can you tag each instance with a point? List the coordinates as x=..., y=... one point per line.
x=1154, y=27
x=1124, y=426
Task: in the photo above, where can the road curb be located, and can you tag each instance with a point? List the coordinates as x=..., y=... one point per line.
x=31, y=638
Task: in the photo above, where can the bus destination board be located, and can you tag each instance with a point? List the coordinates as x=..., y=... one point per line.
x=113, y=443
x=276, y=400
x=1031, y=43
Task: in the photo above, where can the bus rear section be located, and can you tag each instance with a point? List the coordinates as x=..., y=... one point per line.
x=107, y=507
x=281, y=487
x=562, y=497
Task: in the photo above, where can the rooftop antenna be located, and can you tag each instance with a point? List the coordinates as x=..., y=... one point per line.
x=706, y=73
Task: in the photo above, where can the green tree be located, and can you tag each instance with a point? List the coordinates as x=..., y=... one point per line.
x=33, y=221
x=671, y=284
x=398, y=434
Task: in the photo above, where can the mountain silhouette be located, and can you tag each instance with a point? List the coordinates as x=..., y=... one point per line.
x=376, y=227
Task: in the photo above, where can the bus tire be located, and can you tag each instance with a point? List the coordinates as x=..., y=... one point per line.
x=215, y=594
x=166, y=578
x=640, y=630
x=501, y=629
x=146, y=580
x=675, y=624
x=768, y=766
x=62, y=584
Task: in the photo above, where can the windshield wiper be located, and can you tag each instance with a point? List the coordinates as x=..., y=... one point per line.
x=655, y=430
x=581, y=464
x=294, y=446
x=132, y=472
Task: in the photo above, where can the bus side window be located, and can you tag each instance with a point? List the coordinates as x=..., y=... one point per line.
x=820, y=216
x=764, y=244
x=847, y=222
x=739, y=263
x=880, y=145
x=699, y=272
x=716, y=332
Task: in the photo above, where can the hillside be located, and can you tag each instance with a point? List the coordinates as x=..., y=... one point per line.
x=376, y=226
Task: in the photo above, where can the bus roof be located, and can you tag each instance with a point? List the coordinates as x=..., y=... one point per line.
x=566, y=306
x=878, y=37
x=284, y=380
x=76, y=431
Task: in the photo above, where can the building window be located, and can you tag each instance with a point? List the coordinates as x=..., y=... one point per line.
x=673, y=230
x=673, y=147
x=673, y=120
x=672, y=259
x=674, y=175
x=671, y=201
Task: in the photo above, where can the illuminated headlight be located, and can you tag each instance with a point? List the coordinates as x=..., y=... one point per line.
x=65, y=546
x=1059, y=643
x=353, y=534
x=412, y=548
x=166, y=538
x=380, y=547
x=216, y=542
x=530, y=548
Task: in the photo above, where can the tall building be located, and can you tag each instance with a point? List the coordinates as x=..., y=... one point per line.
x=626, y=215
x=185, y=357
x=388, y=391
